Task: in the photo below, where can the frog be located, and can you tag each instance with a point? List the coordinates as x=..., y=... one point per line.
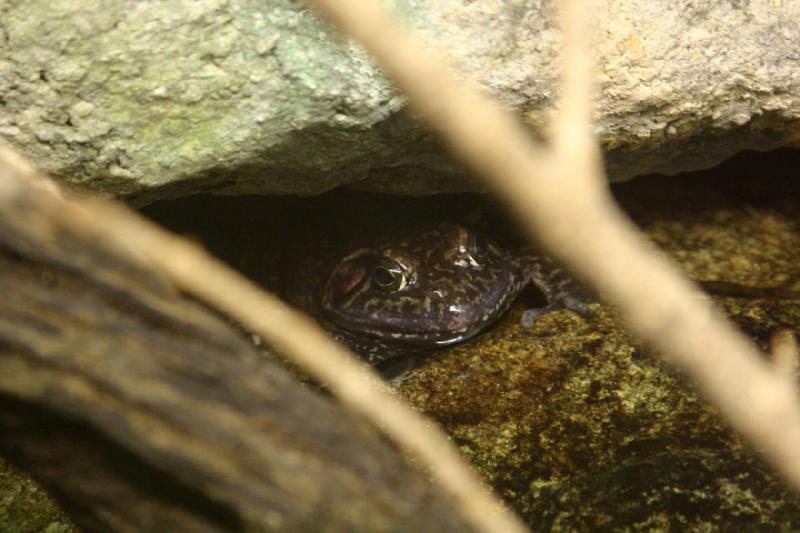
x=423, y=288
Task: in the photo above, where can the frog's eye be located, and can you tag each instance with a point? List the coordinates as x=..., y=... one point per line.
x=477, y=246
x=389, y=276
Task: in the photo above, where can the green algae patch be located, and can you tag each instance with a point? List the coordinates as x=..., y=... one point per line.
x=26, y=508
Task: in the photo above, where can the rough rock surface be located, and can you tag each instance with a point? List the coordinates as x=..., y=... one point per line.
x=160, y=99
x=166, y=98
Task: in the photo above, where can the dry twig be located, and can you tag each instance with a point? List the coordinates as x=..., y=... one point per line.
x=783, y=346
x=560, y=197
x=141, y=409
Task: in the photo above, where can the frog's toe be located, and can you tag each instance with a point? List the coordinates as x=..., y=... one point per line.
x=530, y=315
x=574, y=303
x=578, y=304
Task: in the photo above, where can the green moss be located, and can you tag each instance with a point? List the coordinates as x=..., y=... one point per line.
x=26, y=508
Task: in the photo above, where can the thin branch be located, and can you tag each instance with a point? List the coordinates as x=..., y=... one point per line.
x=783, y=346
x=576, y=220
x=571, y=131
x=294, y=334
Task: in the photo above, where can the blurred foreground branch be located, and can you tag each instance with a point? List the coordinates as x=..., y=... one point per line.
x=141, y=409
x=115, y=228
x=560, y=196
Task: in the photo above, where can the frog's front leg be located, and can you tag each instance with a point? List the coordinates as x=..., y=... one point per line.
x=559, y=287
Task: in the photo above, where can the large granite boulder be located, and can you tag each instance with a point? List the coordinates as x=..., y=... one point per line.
x=166, y=98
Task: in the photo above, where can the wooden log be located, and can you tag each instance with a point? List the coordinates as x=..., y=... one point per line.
x=143, y=410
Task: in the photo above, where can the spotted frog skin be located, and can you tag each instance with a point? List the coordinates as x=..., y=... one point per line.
x=427, y=288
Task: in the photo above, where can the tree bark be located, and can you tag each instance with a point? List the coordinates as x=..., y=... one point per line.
x=142, y=410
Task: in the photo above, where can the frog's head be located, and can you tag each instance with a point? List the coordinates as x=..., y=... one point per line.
x=433, y=288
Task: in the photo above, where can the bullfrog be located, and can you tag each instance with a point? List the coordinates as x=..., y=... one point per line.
x=421, y=288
